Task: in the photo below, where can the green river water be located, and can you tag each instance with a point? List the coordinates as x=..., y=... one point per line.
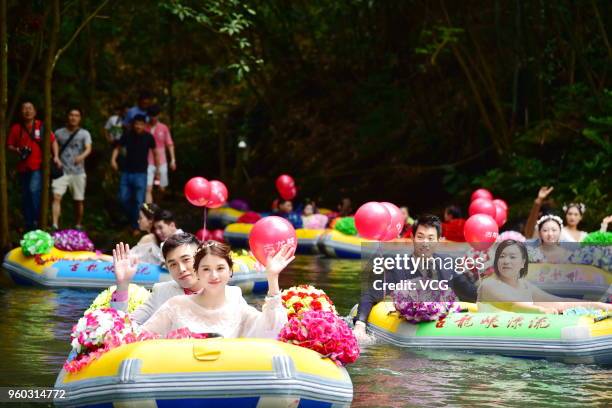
x=35, y=327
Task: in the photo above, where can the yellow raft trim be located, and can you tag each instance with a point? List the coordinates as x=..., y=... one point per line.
x=301, y=233
x=225, y=211
x=28, y=262
x=207, y=355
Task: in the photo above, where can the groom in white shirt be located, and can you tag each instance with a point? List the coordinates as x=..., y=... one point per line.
x=178, y=251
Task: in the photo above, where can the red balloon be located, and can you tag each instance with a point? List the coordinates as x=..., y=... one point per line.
x=218, y=194
x=202, y=234
x=480, y=231
x=501, y=214
x=481, y=193
x=197, y=191
x=288, y=193
x=284, y=182
x=372, y=220
x=217, y=235
x=397, y=222
x=501, y=203
x=482, y=206
x=268, y=236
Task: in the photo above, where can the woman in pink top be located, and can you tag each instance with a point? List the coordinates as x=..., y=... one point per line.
x=163, y=140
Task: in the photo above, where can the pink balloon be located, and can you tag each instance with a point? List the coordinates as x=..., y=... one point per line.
x=268, y=236
x=217, y=235
x=397, y=222
x=372, y=220
x=480, y=231
x=218, y=194
x=482, y=206
x=202, y=234
x=501, y=214
x=501, y=203
x=481, y=193
x=197, y=191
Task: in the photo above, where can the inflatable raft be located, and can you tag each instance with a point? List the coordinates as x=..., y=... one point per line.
x=207, y=373
x=221, y=217
x=569, y=339
x=82, y=269
x=237, y=235
x=571, y=280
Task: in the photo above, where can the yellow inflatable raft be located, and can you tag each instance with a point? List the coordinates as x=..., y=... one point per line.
x=213, y=372
x=83, y=269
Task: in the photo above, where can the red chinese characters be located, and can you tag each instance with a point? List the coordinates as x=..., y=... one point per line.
x=515, y=322
x=490, y=322
x=539, y=323
x=464, y=321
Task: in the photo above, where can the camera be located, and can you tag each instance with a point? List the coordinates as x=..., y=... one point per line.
x=24, y=152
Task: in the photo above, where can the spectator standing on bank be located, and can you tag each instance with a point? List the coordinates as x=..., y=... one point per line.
x=113, y=129
x=145, y=99
x=163, y=140
x=133, y=181
x=75, y=146
x=25, y=139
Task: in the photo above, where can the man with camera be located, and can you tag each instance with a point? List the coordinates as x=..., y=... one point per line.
x=25, y=139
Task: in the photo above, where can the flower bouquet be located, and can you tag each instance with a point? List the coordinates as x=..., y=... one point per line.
x=137, y=296
x=97, y=332
x=36, y=242
x=72, y=240
x=302, y=298
x=104, y=329
x=424, y=306
x=323, y=332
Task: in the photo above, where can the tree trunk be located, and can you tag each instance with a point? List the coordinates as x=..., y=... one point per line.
x=4, y=221
x=48, y=82
x=23, y=80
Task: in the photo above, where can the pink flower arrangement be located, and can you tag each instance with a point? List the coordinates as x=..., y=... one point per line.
x=430, y=307
x=102, y=330
x=72, y=240
x=302, y=298
x=323, y=332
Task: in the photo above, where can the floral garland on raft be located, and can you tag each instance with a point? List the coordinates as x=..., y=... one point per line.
x=302, y=298
x=137, y=296
x=37, y=242
x=314, y=324
x=425, y=306
x=72, y=240
x=102, y=330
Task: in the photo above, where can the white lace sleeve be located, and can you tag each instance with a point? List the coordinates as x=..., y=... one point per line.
x=161, y=321
x=265, y=324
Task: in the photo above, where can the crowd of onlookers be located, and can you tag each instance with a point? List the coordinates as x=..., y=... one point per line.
x=139, y=140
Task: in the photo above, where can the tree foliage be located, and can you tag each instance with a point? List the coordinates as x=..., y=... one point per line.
x=415, y=102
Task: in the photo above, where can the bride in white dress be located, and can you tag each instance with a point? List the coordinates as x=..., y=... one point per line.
x=211, y=311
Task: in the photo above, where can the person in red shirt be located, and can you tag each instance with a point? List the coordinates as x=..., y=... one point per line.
x=25, y=139
x=452, y=227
